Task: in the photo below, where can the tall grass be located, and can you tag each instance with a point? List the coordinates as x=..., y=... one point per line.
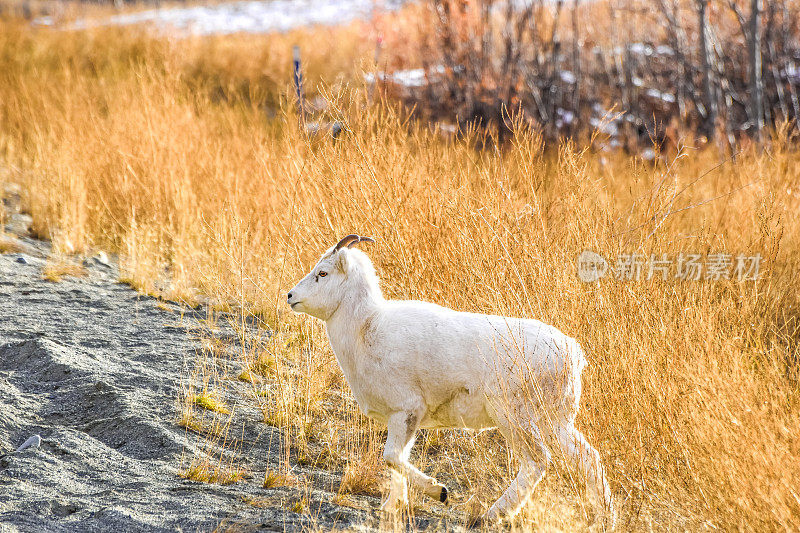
x=185, y=158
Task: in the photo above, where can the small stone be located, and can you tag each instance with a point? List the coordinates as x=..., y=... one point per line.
x=33, y=442
x=11, y=197
x=21, y=260
x=19, y=224
x=12, y=188
x=100, y=259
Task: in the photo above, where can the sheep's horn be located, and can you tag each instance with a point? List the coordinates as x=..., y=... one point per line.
x=360, y=240
x=352, y=238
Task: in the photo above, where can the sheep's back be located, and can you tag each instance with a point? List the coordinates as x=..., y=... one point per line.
x=512, y=360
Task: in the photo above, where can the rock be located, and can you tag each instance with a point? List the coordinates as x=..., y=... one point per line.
x=11, y=198
x=11, y=189
x=19, y=223
x=33, y=442
x=100, y=259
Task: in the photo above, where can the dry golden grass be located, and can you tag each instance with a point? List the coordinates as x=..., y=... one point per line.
x=362, y=477
x=274, y=479
x=208, y=418
x=9, y=246
x=211, y=473
x=208, y=401
x=187, y=160
x=56, y=269
x=299, y=506
x=189, y=422
x=247, y=376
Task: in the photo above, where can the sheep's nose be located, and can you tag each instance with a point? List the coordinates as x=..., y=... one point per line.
x=289, y=296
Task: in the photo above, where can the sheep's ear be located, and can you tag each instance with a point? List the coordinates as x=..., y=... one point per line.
x=343, y=260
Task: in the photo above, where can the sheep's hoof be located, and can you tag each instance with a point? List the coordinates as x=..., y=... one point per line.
x=609, y=518
x=393, y=505
x=443, y=496
x=390, y=509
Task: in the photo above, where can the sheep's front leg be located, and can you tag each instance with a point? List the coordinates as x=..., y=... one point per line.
x=397, y=499
x=402, y=428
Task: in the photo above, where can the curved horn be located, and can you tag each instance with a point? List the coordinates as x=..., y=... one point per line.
x=347, y=241
x=360, y=240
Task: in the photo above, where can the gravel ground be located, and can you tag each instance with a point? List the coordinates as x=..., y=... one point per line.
x=94, y=368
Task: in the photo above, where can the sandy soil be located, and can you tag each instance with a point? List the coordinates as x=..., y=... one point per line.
x=94, y=368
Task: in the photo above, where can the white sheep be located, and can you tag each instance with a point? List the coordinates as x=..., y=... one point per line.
x=415, y=365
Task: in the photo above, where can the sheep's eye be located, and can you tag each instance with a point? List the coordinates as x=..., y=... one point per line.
x=322, y=274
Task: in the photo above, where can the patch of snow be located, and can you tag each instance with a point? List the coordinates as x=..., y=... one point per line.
x=658, y=95
x=792, y=73
x=410, y=78
x=407, y=78
x=610, y=146
x=648, y=154
x=664, y=50
x=630, y=118
x=521, y=5
x=567, y=77
x=256, y=16
x=565, y=116
x=640, y=48
x=604, y=126
x=605, y=121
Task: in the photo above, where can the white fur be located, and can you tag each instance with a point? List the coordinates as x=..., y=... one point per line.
x=415, y=365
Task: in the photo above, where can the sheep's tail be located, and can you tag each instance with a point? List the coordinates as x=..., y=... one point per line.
x=578, y=357
x=577, y=362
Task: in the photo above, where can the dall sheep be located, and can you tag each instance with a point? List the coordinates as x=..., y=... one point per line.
x=413, y=365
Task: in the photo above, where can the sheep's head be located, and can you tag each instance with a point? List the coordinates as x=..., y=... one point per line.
x=342, y=272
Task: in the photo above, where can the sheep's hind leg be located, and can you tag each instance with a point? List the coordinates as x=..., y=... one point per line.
x=402, y=428
x=530, y=473
x=585, y=458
